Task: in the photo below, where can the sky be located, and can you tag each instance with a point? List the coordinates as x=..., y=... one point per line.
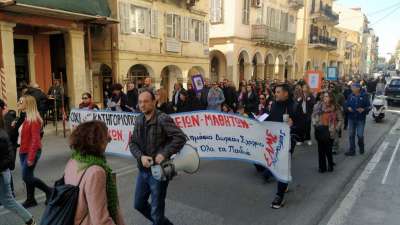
x=385, y=26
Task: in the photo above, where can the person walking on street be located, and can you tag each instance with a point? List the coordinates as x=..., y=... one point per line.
x=357, y=105
x=155, y=139
x=7, y=163
x=283, y=109
x=307, y=102
x=30, y=149
x=88, y=168
x=327, y=119
x=215, y=98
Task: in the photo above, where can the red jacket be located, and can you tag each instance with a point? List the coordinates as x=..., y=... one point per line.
x=30, y=139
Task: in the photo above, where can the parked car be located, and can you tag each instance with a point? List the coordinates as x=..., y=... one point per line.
x=392, y=90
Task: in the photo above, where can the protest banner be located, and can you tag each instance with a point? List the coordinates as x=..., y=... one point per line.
x=215, y=135
x=314, y=80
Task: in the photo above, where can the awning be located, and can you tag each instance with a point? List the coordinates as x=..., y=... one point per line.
x=94, y=11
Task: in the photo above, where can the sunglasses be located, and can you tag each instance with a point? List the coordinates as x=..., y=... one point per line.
x=84, y=98
x=262, y=98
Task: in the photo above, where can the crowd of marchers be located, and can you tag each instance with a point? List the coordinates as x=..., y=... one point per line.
x=336, y=106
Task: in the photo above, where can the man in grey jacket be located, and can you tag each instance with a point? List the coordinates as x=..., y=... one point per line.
x=155, y=139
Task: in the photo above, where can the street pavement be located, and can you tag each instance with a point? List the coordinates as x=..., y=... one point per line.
x=233, y=193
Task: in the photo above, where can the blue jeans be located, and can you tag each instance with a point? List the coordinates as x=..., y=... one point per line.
x=7, y=199
x=29, y=178
x=356, y=127
x=147, y=186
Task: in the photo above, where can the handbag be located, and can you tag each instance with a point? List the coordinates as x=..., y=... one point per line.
x=322, y=133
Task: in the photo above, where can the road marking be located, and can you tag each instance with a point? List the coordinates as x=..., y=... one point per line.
x=391, y=162
x=41, y=197
x=396, y=127
x=340, y=215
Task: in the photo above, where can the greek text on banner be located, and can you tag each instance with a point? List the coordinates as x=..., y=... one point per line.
x=215, y=135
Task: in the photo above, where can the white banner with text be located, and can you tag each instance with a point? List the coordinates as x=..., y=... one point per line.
x=215, y=135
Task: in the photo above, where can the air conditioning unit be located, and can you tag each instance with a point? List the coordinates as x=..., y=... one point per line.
x=257, y=3
x=190, y=3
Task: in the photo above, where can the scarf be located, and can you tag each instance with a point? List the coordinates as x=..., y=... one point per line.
x=331, y=114
x=87, y=161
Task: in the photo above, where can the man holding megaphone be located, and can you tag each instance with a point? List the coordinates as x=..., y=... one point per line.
x=154, y=140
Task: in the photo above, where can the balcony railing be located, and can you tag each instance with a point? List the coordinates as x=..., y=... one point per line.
x=272, y=36
x=325, y=11
x=296, y=4
x=323, y=41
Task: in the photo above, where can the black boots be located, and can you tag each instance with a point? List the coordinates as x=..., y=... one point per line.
x=30, y=197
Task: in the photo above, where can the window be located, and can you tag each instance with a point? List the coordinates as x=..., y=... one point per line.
x=216, y=11
x=138, y=19
x=246, y=12
x=260, y=14
x=197, y=30
x=173, y=26
x=284, y=21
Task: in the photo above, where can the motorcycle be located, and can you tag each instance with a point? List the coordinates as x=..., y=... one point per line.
x=379, y=107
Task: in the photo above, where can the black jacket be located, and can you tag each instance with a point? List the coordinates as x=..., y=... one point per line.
x=132, y=98
x=293, y=109
x=166, y=107
x=159, y=135
x=204, y=97
x=40, y=97
x=230, y=97
x=251, y=103
x=7, y=154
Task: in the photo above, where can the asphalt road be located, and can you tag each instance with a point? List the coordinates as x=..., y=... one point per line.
x=227, y=192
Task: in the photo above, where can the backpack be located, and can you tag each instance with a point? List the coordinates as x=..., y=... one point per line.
x=62, y=204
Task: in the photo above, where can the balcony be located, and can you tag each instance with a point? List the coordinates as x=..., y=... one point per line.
x=296, y=4
x=323, y=42
x=325, y=13
x=268, y=36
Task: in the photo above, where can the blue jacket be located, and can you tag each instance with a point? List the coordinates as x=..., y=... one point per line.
x=355, y=102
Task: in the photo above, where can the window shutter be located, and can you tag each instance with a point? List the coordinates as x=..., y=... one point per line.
x=213, y=11
x=217, y=11
x=201, y=32
x=154, y=23
x=206, y=31
x=124, y=17
x=147, y=22
x=191, y=30
x=169, y=25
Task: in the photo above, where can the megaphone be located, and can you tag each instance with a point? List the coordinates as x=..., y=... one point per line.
x=187, y=160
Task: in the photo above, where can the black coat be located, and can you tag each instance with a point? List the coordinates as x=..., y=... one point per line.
x=132, y=98
x=204, y=97
x=251, y=103
x=166, y=107
x=230, y=97
x=7, y=153
x=290, y=107
x=40, y=97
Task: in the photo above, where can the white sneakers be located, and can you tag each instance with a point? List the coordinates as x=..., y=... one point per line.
x=309, y=143
x=299, y=143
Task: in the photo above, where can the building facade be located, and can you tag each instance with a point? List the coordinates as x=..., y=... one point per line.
x=253, y=39
x=45, y=40
x=317, y=37
x=164, y=40
x=354, y=20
